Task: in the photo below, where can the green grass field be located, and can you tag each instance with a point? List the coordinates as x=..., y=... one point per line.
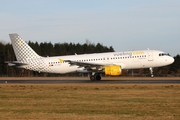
x=90, y=101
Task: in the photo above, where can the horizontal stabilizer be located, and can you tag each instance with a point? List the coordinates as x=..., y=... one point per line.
x=16, y=64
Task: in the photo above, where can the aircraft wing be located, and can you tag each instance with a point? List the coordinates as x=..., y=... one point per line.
x=84, y=63
x=88, y=65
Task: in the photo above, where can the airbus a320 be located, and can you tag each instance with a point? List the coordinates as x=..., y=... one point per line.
x=110, y=63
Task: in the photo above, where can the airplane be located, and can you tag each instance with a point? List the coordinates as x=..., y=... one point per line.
x=110, y=63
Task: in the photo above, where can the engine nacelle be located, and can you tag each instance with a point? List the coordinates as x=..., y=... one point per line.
x=114, y=70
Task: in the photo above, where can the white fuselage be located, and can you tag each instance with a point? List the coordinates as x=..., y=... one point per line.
x=127, y=60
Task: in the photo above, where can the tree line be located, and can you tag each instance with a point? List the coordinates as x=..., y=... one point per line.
x=48, y=49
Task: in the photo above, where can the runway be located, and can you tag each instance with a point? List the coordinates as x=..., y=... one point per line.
x=88, y=81
x=81, y=80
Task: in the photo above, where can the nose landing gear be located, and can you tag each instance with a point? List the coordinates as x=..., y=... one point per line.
x=151, y=72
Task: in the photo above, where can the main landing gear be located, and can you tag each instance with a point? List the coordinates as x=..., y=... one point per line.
x=151, y=72
x=95, y=77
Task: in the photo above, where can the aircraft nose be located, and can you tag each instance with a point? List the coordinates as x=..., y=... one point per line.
x=171, y=60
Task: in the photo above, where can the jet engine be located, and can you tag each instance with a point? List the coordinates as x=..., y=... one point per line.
x=114, y=70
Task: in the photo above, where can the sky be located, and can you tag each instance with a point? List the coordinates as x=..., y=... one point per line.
x=123, y=24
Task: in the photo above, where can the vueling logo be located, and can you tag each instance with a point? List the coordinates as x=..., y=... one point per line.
x=61, y=60
x=20, y=43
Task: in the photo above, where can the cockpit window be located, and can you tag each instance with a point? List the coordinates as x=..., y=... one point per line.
x=164, y=54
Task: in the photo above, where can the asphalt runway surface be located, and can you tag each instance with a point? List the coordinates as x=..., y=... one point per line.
x=82, y=80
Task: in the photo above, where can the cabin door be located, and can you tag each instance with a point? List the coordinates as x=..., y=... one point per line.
x=150, y=56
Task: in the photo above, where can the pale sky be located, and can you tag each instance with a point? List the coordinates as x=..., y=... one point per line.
x=123, y=24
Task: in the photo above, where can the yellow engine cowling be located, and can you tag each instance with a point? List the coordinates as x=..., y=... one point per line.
x=114, y=70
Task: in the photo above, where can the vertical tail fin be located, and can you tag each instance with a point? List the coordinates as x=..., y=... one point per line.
x=21, y=48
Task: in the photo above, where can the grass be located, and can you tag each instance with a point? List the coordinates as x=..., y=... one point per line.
x=90, y=101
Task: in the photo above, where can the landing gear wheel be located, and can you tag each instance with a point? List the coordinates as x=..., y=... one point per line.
x=92, y=78
x=95, y=77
